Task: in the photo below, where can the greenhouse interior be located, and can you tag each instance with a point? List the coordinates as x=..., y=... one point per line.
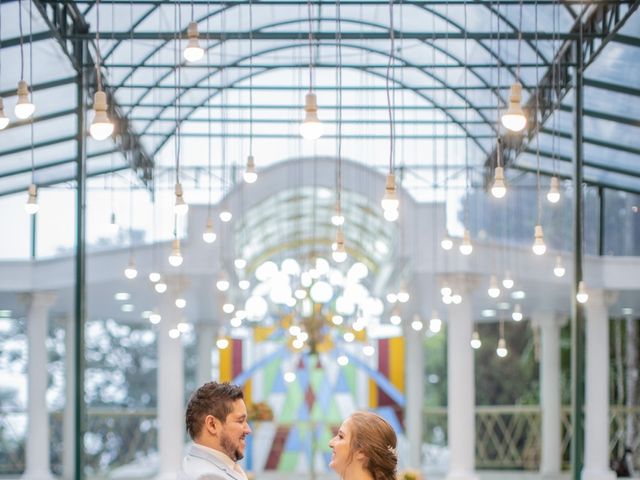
x=427, y=209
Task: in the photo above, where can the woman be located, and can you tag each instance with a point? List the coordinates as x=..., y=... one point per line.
x=364, y=448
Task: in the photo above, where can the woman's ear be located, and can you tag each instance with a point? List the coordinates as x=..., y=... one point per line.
x=359, y=456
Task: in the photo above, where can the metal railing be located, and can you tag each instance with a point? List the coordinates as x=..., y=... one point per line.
x=507, y=437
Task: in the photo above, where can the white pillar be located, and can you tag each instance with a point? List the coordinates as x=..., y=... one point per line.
x=68, y=426
x=206, y=341
x=37, y=447
x=171, y=426
x=461, y=386
x=596, y=432
x=550, y=400
x=414, y=393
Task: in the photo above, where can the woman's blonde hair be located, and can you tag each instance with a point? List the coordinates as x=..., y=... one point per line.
x=376, y=440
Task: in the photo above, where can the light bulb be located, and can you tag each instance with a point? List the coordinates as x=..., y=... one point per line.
x=131, y=271
x=582, y=296
x=390, y=199
x=180, y=302
x=391, y=215
x=539, y=248
x=244, y=284
x=494, y=289
x=507, y=282
x=24, y=108
x=553, y=195
x=223, y=282
x=180, y=207
x=368, y=350
x=154, y=277
x=240, y=263
x=446, y=291
x=225, y=216
x=516, y=315
x=395, y=319
x=417, y=324
x=446, y=243
x=392, y=297
x=476, y=343
x=174, y=333
x=502, y=351
x=160, y=287
x=209, y=236
x=465, y=247
x=193, y=51
x=4, y=120
x=339, y=254
x=175, y=259
x=101, y=127
x=559, y=269
x=228, y=308
x=499, y=189
x=289, y=377
x=435, y=324
x=222, y=343
x=513, y=119
x=250, y=175
x=337, y=218
x=403, y=295
x=32, y=207
x=311, y=128
x=456, y=298
x=155, y=318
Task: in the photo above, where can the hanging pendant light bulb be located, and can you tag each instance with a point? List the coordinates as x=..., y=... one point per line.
x=154, y=277
x=403, y=294
x=499, y=188
x=476, y=343
x=160, y=287
x=225, y=215
x=553, y=195
x=513, y=119
x=558, y=269
x=502, y=351
x=516, y=315
x=339, y=254
x=435, y=324
x=582, y=296
x=180, y=207
x=209, y=236
x=32, y=207
x=4, y=120
x=175, y=259
x=390, y=199
x=337, y=218
x=311, y=128
x=24, y=108
x=131, y=271
x=193, y=51
x=223, y=282
x=446, y=243
x=250, y=175
x=507, y=282
x=539, y=248
x=494, y=289
x=101, y=127
x=466, y=247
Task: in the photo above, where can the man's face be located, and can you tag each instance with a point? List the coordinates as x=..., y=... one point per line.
x=234, y=430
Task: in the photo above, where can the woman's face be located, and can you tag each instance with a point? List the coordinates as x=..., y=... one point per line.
x=341, y=446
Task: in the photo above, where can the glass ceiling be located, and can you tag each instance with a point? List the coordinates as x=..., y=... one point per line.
x=453, y=65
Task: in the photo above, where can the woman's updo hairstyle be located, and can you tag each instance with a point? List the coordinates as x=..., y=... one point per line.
x=375, y=438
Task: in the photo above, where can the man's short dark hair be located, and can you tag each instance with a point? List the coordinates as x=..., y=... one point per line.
x=210, y=399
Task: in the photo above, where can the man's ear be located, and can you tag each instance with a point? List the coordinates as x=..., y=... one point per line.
x=212, y=425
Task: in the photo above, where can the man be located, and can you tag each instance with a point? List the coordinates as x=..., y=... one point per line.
x=216, y=420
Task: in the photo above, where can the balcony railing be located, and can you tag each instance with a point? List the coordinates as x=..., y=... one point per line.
x=507, y=437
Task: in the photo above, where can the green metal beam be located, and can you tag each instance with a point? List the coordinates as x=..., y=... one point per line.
x=40, y=86
x=594, y=141
x=296, y=36
x=271, y=66
x=608, y=167
x=344, y=3
x=36, y=37
x=627, y=40
x=43, y=144
x=246, y=106
x=364, y=121
x=295, y=135
x=612, y=87
x=56, y=163
x=201, y=86
x=41, y=118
